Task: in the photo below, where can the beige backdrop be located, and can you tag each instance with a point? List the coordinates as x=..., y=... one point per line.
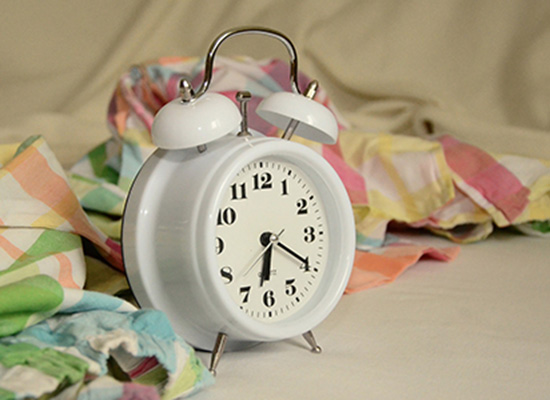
x=479, y=70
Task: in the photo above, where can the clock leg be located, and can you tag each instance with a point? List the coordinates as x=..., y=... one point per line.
x=310, y=339
x=217, y=352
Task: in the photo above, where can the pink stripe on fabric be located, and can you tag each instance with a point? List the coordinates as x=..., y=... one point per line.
x=12, y=250
x=353, y=180
x=136, y=105
x=113, y=245
x=136, y=391
x=483, y=173
x=145, y=366
x=65, y=277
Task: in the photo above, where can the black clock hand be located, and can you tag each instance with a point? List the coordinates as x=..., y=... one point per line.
x=267, y=239
x=303, y=260
x=266, y=265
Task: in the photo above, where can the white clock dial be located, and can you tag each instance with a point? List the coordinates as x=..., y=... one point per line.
x=271, y=239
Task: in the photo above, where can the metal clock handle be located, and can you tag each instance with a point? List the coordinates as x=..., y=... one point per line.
x=209, y=63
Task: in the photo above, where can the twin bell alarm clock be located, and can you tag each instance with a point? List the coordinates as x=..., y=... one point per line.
x=239, y=238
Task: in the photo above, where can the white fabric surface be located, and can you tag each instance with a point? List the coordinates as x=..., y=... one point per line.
x=476, y=328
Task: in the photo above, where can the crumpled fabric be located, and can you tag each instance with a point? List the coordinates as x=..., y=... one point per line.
x=55, y=337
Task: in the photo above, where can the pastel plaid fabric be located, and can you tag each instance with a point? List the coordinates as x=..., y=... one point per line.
x=56, y=337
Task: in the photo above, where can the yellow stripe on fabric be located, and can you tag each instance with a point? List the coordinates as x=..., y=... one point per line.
x=369, y=223
x=382, y=206
x=536, y=210
x=82, y=186
x=51, y=220
x=7, y=152
x=185, y=381
x=14, y=275
x=540, y=187
x=138, y=136
x=355, y=146
x=386, y=145
x=445, y=175
x=474, y=217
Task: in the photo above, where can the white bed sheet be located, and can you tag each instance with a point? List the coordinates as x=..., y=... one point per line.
x=475, y=328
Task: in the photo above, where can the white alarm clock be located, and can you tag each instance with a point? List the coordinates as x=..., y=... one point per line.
x=239, y=238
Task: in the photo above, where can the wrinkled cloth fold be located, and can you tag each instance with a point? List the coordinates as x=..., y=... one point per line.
x=57, y=338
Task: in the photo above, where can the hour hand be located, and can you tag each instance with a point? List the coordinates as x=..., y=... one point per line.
x=266, y=265
x=304, y=261
x=268, y=239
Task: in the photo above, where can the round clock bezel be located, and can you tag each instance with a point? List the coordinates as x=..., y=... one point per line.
x=339, y=221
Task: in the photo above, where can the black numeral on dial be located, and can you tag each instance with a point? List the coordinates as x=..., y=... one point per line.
x=301, y=204
x=269, y=298
x=262, y=181
x=227, y=216
x=238, y=191
x=290, y=289
x=220, y=245
x=227, y=274
x=309, y=234
x=245, y=293
x=284, y=187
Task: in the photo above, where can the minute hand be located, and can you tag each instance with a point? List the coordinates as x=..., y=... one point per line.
x=303, y=260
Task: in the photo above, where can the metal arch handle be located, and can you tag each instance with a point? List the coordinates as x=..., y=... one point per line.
x=209, y=63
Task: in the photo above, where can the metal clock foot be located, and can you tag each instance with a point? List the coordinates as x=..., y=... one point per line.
x=310, y=339
x=217, y=352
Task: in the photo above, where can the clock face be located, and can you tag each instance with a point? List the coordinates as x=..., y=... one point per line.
x=271, y=239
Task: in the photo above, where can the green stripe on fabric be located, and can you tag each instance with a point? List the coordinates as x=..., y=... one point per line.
x=50, y=242
x=11, y=324
x=64, y=367
x=37, y=293
x=102, y=199
x=125, y=183
x=26, y=144
x=191, y=375
x=6, y=395
x=87, y=180
x=82, y=186
x=109, y=226
x=97, y=158
x=541, y=226
x=22, y=299
x=153, y=377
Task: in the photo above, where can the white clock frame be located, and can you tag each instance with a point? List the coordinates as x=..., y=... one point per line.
x=169, y=240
